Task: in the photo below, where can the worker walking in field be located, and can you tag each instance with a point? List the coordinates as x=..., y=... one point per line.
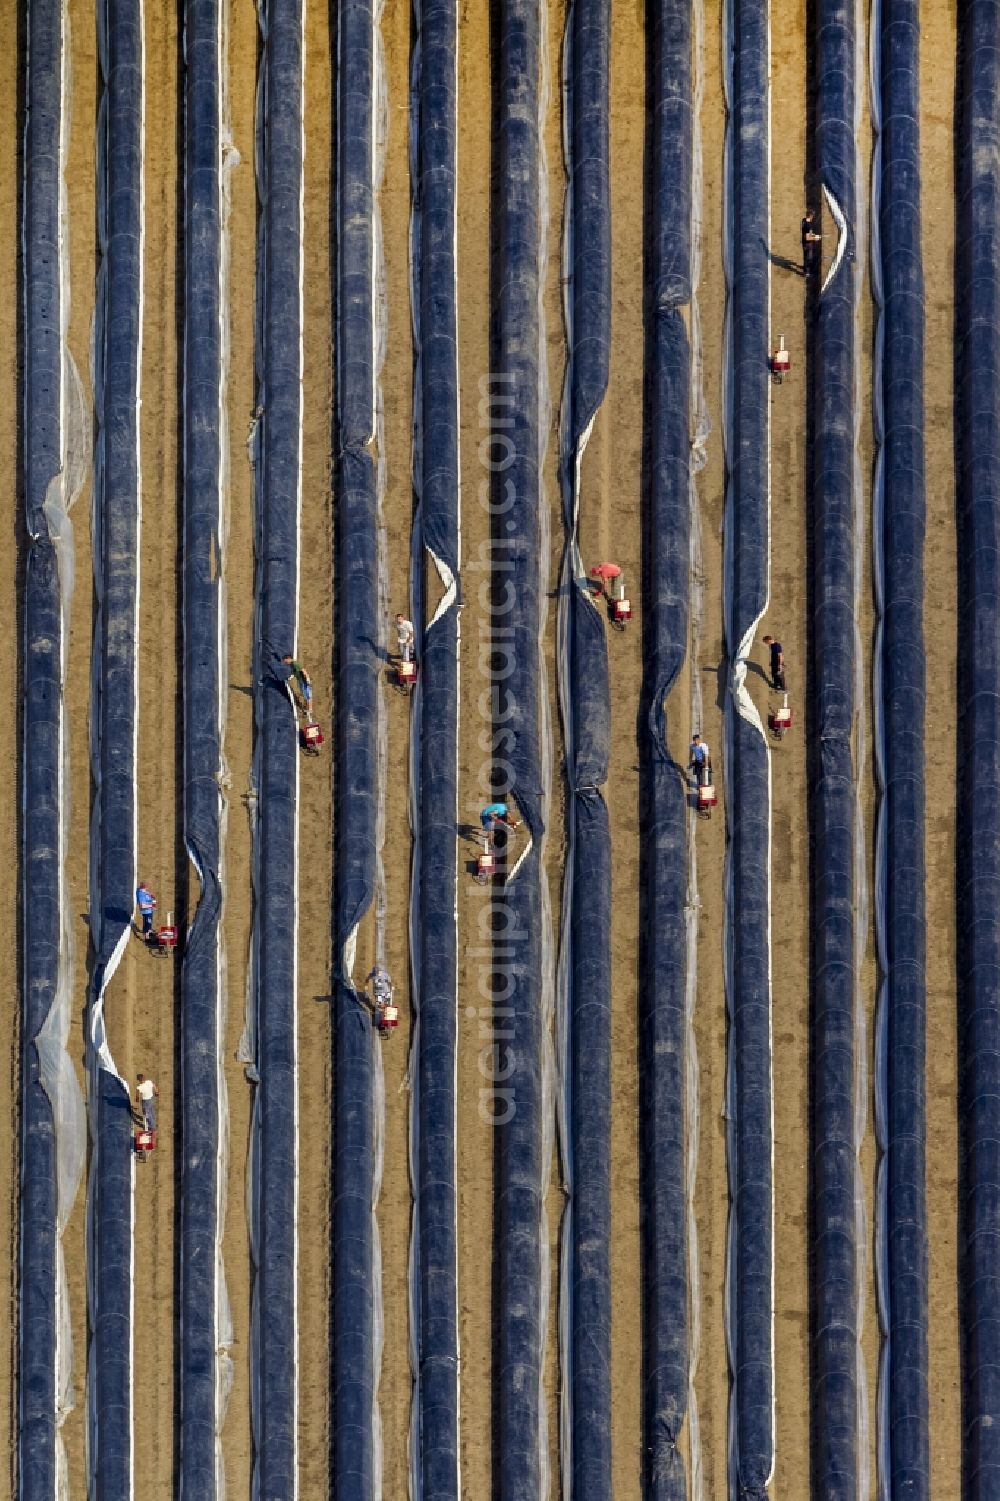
x=492, y=816
x=405, y=637
x=146, y=903
x=777, y=664
x=303, y=681
x=701, y=761
x=147, y=1094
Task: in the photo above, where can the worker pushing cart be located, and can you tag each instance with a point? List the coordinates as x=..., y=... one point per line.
x=406, y=662
x=701, y=766
x=304, y=684
x=619, y=606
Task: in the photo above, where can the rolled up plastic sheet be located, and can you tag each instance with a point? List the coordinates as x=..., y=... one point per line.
x=274, y=1140
x=834, y=1183
x=117, y=512
x=664, y=872
x=518, y=911
x=53, y=1128
x=203, y=1365
x=899, y=697
x=435, y=1462
x=585, y=950
x=750, y=1310
x=355, y=1462
x=977, y=376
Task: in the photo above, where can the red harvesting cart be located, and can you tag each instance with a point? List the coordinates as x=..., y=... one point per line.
x=780, y=720
x=164, y=939
x=781, y=361
x=311, y=737
x=486, y=866
x=406, y=674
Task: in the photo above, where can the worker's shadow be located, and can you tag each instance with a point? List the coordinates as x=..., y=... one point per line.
x=474, y=833
x=379, y=652
x=721, y=675
x=782, y=261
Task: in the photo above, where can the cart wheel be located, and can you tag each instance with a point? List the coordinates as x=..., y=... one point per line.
x=618, y=625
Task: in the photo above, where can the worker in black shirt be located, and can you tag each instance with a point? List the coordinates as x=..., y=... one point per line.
x=777, y=664
x=812, y=241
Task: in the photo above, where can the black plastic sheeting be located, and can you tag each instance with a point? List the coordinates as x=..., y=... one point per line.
x=978, y=838
x=747, y=546
x=116, y=517
x=517, y=914
x=435, y=956
x=200, y=1039
x=900, y=702
x=111, y=1368
x=664, y=873
x=587, y=711
x=275, y=1123
x=833, y=800
x=354, y=1373
x=41, y=780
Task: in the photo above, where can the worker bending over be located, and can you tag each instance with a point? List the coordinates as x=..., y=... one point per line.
x=492, y=816
x=701, y=761
x=303, y=682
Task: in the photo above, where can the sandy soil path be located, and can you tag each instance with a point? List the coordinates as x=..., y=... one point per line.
x=237, y=743
x=475, y=1136
x=937, y=86
x=554, y=853
x=786, y=619
x=707, y=677
x=316, y=790
x=397, y=395
x=144, y=995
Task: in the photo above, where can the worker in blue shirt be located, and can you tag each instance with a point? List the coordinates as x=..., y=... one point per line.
x=701, y=761
x=494, y=814
x=146, y=902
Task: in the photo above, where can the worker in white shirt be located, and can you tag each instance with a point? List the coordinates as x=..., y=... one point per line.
x=147, y=1095
x=404, y=637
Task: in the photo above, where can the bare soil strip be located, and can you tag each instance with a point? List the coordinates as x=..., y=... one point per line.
x=937, y=85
